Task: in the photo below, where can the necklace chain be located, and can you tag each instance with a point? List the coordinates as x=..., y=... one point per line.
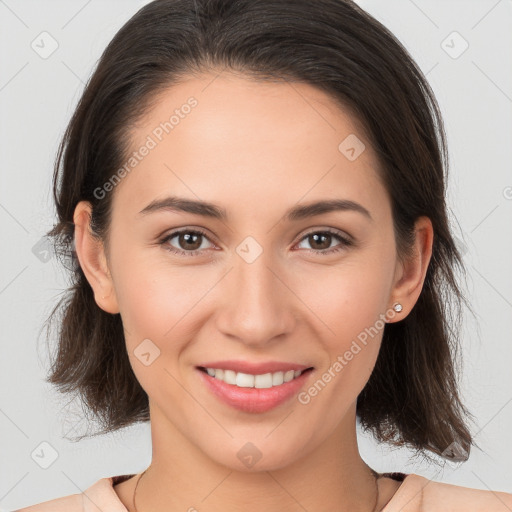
x=135, y=490
x=375, y=474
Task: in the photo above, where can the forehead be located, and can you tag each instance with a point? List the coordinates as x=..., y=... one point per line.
x=227, y=138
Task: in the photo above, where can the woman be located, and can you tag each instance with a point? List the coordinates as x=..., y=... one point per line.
x=252, y=193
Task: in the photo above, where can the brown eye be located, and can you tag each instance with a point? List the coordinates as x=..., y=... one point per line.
x=320, y=241
x=188, y=242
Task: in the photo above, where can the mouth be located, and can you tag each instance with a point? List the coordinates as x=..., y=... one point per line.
x=249, y=380
x=254, y=393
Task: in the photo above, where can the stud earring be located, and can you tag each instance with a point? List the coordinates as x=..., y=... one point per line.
x=398, y=307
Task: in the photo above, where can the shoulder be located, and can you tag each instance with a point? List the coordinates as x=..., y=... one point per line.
x=419, y=494
x=71, y=503
x=465, y=499
x=99, y=496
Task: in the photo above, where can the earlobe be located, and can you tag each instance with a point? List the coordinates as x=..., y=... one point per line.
x=409, y=284
x=91, y=256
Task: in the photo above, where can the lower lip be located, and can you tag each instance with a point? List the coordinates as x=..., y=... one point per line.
x=254, y=400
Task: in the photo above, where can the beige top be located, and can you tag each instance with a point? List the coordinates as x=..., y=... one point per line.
x=415, y=494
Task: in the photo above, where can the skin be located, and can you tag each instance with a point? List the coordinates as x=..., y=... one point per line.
x=255, y=149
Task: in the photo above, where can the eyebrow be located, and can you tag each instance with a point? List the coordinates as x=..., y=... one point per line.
x=299, y=212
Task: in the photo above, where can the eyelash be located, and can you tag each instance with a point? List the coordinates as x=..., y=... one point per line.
x=346, y=242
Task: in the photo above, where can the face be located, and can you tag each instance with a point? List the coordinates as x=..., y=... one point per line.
x=257, y=284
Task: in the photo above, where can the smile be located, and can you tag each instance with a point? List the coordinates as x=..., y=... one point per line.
x=253, y=393
x=247, y=380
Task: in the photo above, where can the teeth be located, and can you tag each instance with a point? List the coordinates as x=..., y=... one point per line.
x=243, y=380
x=246, y=380
x=230, y=377
x=277, y=379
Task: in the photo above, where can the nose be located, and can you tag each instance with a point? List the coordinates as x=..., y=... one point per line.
x=257, y=305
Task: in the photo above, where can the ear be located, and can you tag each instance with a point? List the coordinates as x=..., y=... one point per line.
x=410, y=275
x=91, y=255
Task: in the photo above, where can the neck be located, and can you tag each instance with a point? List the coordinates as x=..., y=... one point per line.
x=331, y=477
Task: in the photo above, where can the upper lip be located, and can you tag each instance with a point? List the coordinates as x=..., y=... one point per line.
x=254, y=368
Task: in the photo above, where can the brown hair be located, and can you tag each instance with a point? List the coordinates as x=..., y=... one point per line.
x=412, y=395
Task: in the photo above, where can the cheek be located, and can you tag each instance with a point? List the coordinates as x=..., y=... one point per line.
x=347, y=299
x=350, y=302
x=154, y=303
x=162, y=303
x=152, y=293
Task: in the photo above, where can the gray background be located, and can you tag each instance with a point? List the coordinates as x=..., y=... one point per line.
x=37, y=98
